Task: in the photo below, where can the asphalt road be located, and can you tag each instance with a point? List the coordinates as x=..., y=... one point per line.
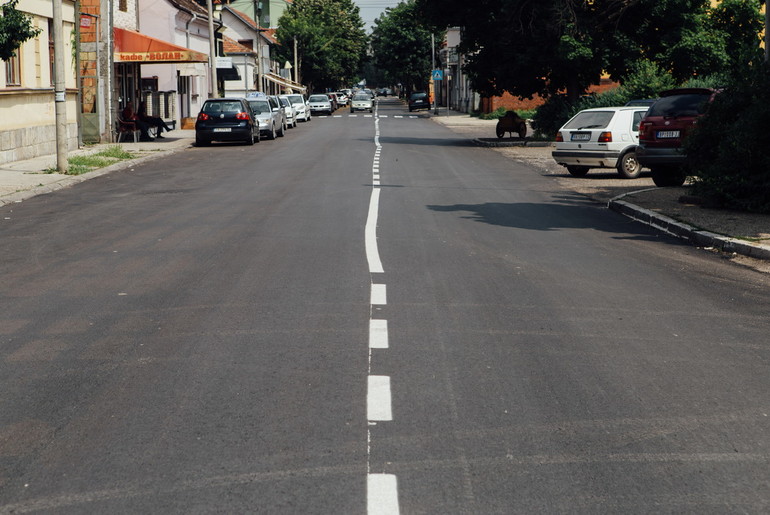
x=370, y=315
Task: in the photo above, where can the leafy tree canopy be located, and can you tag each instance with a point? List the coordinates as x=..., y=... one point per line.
x=549, y=46
x=401, y=46
x=15, y=28
x=331, y=42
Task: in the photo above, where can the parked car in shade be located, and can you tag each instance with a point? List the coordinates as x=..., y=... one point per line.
x=226, y=119
x=418, y=100
x=361, y=102
x=342, y=98
x=288, y=108
x=604, y=137
x=663, y=129
x=301, y=106
x=320, y=103
x=270, y=117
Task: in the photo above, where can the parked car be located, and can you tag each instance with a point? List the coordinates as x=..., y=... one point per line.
x=418, y=100
x=320, y=103
x=270, y=117
x=342, y=98
x=663, y=129
x=301, y=106
x=276, y=103
x=226, y=119
x=603, y=137
x=361, y=102
x=288, y=108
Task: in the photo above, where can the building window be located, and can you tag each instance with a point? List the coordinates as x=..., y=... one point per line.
x=123, y=5
x=13, y=71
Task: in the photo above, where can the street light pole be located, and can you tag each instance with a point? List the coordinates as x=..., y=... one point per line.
x=60, y=92
x=212, y=52
x=258, y=46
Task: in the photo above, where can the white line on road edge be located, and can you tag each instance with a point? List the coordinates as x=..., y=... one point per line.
x=382, y=494
x=372, y=253
x=378, y=407
x=378, y=334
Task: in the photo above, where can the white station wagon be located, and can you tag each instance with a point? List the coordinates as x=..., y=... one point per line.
x=604, y=137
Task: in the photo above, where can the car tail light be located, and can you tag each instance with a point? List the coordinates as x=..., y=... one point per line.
x=643, y=131
x=202, y=117
x=605, y=137
x=559, y=137
x=242, y=116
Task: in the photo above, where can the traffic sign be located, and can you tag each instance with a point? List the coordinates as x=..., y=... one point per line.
x=438, y=75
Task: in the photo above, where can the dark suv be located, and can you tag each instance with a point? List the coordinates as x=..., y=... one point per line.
x=664, y=127
x=226, y=119
x=418, y=100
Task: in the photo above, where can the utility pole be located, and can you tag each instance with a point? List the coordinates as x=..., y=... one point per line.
x=296, y=68
x=60, y=92
x=433, y=67
x=258, y=46
x=212, y=52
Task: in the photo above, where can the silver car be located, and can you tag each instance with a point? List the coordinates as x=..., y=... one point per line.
x=270, y=115
x=361, y=102
x=320, y=103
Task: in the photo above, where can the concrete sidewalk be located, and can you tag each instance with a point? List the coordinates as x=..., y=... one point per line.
x=21, y=180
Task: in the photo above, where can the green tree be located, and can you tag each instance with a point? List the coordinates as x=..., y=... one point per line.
x=401, y=47
x=15, y=28
x=331, y=42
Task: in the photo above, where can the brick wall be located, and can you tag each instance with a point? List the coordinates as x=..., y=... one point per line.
x=513, y=103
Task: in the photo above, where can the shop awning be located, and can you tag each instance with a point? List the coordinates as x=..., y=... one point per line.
x=277, y=79
x=134, y=47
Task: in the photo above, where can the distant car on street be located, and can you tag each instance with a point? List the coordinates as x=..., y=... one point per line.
x=361, y=102
x=320, y=103
x=226, y=119
x=418, y=100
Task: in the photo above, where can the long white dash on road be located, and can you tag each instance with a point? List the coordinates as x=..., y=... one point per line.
x=378, y=334
x=372, y=252
x=379, y=294
x=382, y=494
x=378, y=406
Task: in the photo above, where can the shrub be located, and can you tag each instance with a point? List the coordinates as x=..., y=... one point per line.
x=727, y=151
x=494, y=115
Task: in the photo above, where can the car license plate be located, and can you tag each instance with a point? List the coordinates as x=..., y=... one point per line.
x=222, y=129
x=581, y=136
x=667, y=134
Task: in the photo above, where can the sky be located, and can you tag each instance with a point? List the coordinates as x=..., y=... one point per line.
x=371, y=10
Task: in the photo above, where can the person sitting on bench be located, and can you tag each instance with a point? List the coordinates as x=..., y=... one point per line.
x=153, y=121
x=130, y=116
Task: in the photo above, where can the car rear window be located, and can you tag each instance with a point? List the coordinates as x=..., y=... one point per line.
x=691, y=104
x=419, y=96
x=362, y=96
x=590, y=120
x=296, y=99
x=319, y=98
x=222, y=106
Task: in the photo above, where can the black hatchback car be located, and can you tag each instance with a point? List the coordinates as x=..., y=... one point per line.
x=418, y=100
x=226, y=119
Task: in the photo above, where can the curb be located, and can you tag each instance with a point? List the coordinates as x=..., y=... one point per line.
x=687, y=232
x=488, y=142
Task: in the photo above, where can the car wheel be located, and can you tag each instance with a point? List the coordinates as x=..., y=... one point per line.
x=668, y=176
x=578, y=171
x=282, y=130
x=200, y=142
x=628, y=166
x=250, y=138
x=271, y=135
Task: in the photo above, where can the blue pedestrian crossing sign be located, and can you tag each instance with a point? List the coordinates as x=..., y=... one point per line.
x=438, y=75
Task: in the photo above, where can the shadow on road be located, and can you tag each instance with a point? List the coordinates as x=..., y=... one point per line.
x=569, y=212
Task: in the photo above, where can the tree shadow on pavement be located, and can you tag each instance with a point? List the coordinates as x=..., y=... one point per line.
x=569, y=212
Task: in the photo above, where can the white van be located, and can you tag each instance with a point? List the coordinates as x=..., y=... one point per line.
x=603, y=137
